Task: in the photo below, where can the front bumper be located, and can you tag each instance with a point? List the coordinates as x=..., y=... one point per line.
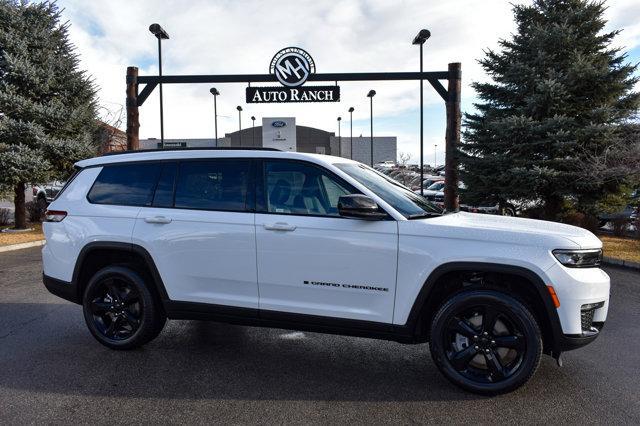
x=569, y=342
x=577, y=288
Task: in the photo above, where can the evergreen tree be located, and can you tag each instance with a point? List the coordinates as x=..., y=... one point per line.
x=47, y=105
x=558, y=94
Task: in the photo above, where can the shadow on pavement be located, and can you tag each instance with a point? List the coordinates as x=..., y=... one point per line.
x=47, y=348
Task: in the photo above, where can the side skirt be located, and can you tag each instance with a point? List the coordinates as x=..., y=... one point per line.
x=286, y=320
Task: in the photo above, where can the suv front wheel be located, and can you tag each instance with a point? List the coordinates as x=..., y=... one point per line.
x=120, y=310
x=486, y=342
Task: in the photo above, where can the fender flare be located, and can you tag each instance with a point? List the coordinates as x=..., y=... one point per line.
x=124, y=247
x=529, y=275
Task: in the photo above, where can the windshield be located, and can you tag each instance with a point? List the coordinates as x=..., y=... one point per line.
x=400, y=197
x=438, y=186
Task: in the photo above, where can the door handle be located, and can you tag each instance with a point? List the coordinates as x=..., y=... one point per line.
x=279, y=226
x=157, y=219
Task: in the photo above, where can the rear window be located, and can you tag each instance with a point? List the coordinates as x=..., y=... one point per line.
x=125, y=184
x=213, y=185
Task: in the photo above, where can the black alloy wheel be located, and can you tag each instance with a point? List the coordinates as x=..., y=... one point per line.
x=486, y=342
x=120, y=310
x=116, y=308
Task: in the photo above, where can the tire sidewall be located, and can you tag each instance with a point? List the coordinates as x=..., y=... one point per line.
x=519, y=314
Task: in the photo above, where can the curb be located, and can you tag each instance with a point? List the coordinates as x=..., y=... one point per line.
x=622, y=263
x=21, y=246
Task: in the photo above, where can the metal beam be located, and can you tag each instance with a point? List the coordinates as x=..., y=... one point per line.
x=266, y=78
x=148, y=88
x=439, y=88
x=431, y=76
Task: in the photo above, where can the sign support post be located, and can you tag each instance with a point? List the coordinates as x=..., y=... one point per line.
x=133, y=116
x=451, y=202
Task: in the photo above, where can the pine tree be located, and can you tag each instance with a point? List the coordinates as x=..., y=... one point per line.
x=558, y=94
x=47, y=105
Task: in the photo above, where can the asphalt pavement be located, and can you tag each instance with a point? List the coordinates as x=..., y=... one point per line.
x=53, y=371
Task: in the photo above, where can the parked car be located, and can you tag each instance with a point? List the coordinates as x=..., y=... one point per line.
x=427, y=182
x=629, y=213
x=435, y=194
x=318, y=243
x=385, y=165
x=43, y=193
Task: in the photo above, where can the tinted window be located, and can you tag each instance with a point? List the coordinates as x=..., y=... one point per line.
x=213, y=184
x=163, y=196
x=298, y=188
x=125, y=184
x=410, y=205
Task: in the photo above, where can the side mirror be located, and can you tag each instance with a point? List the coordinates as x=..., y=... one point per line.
x=361, y=207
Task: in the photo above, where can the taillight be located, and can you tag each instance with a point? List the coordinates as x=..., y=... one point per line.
x=34, y=190
x=54, y=215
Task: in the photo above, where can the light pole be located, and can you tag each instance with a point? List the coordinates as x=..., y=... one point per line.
x=370, y=95
x=215, y=94
x=253, y=131
x=339, y=138
x=422, y=36
x=435, y=157
x=239, y=108
x=160, y=34
x=351, y=125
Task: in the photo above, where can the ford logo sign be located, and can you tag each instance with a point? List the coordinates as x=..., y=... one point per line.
x=278, y=124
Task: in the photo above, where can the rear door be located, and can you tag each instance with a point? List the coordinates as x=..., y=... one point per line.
x=200, y=231
x=313, y=261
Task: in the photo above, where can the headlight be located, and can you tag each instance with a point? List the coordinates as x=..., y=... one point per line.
x=579, y=258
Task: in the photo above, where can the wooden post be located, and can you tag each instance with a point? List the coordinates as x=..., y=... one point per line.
x=133, y=117
x=451, y=202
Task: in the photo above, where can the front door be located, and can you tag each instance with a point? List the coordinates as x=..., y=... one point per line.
x=313, y=261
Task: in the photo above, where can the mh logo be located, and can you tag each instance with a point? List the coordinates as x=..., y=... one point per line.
x=292, y=66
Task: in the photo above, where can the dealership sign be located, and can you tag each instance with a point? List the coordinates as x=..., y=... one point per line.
x=292, y=67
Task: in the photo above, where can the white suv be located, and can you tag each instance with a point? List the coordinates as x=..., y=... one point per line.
x=318, y=243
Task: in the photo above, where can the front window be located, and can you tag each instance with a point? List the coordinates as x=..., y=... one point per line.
x=299, y=188
x=401, y=198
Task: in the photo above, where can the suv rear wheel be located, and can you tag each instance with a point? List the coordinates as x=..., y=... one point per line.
x=485, y=342
x=119, y=309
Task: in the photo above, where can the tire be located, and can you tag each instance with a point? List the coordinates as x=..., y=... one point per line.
x=509, y=211
x=120, y=310
x=489, y=364
x=42, y=203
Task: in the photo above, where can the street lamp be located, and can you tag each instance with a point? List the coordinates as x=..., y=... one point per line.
x=253, y=131
x=351, y=124
x=422, y=36
x=215, y=94
x=160, y=34
x=339, y=138
x=239, y=108
x=435, y=157
x=370, y=95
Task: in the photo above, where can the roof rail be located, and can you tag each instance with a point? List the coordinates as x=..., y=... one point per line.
x=221, y=148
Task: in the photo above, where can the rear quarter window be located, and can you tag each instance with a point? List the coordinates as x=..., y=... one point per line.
x=125, y=184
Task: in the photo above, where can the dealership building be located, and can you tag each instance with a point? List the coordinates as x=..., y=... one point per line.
x=282, y=133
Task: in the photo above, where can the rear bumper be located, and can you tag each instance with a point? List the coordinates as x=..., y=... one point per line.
x=63, y=289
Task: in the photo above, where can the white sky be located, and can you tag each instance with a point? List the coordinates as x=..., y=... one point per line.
x=241, y=37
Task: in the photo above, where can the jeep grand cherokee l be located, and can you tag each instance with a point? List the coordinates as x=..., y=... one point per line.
x=318, y=243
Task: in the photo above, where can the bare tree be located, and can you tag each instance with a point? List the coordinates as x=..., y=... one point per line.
x=618, y=162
